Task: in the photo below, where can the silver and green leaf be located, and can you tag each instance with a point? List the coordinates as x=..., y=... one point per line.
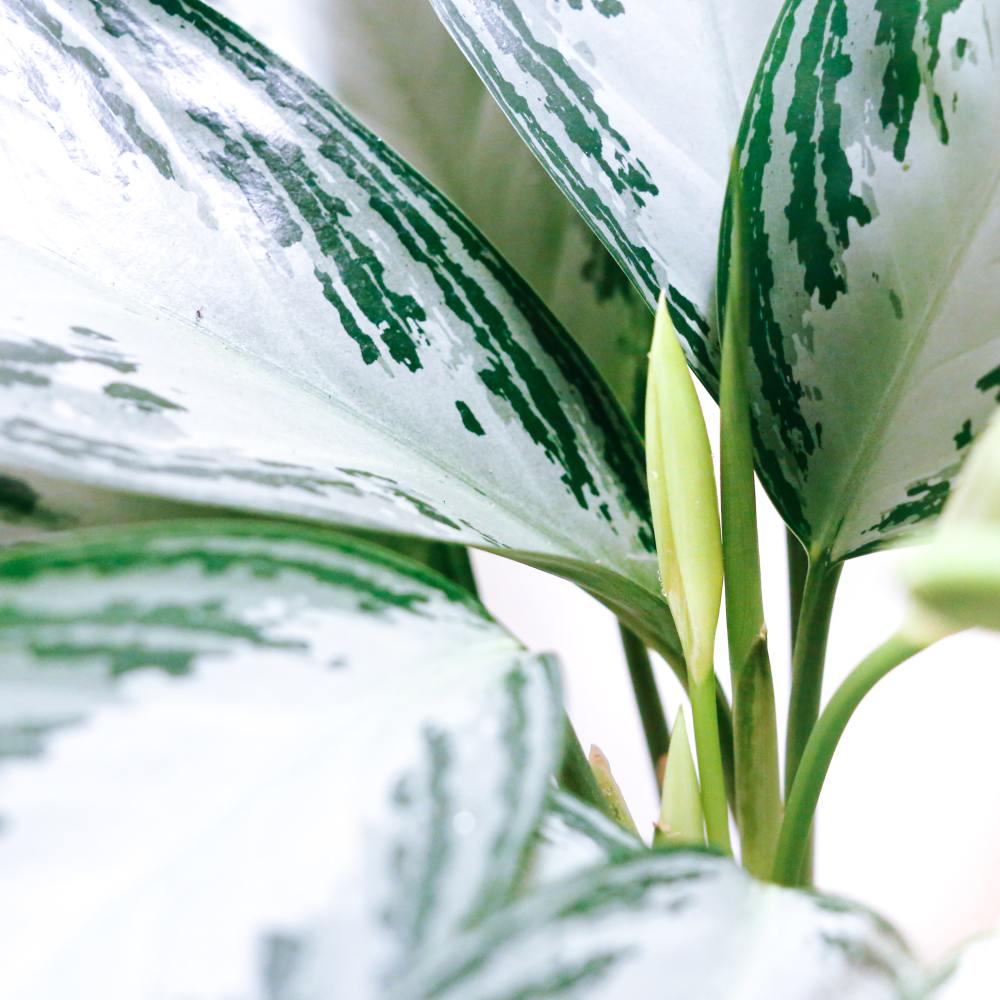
x=633, y=108
x=212, y=735
x=223, y=290
x=672, y=924
x=391, y=63
x=573, y=837
x=870, y=164
x=869, y=156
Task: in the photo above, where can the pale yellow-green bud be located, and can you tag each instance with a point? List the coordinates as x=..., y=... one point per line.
x=682, y=492
x=681, y=819
x=601, y=767
x=955, y=582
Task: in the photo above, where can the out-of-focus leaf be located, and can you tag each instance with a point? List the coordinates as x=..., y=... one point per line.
x=958, y=578
x=212, y=734
x=672, y=924
x=573, y=837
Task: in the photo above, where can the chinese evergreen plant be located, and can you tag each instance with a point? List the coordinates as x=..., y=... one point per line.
x=263, y=386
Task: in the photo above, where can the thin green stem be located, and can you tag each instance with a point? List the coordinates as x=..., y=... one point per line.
x=755, y=728
x=647, y=696
x=577, y=777
x=808, y=662
x=798, y=567
x=794, y=839
x=808, y=659
x=704, y=712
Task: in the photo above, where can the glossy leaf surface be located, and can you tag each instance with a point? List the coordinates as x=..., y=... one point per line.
x=633, y=108
x=394, y=66
x=869, y=158
x=221, y=289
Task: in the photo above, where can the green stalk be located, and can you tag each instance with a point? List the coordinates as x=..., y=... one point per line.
x=577, y=777
x=647, y=697
x=808, y=662
x=758, y=794
x=808, y=659
x=713, y=783
x=793, y=842
x=757, y=773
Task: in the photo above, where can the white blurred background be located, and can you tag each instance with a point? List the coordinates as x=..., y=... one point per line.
x=909, y=821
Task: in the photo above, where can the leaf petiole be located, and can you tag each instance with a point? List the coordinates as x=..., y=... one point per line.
x=704, y=714
x=793, y=841
x=808, y=658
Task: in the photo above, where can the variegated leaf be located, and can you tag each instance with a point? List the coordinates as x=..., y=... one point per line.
x=633, y=108
x=870, y=159
x=221, y=289
x=573, y=837
x=211, y=734
x=394, y=66
x=675, y=924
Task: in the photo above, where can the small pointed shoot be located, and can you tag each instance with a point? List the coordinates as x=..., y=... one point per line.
x=606, y=782
x=681, y=819
x=684, y=501
x=682, y=492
